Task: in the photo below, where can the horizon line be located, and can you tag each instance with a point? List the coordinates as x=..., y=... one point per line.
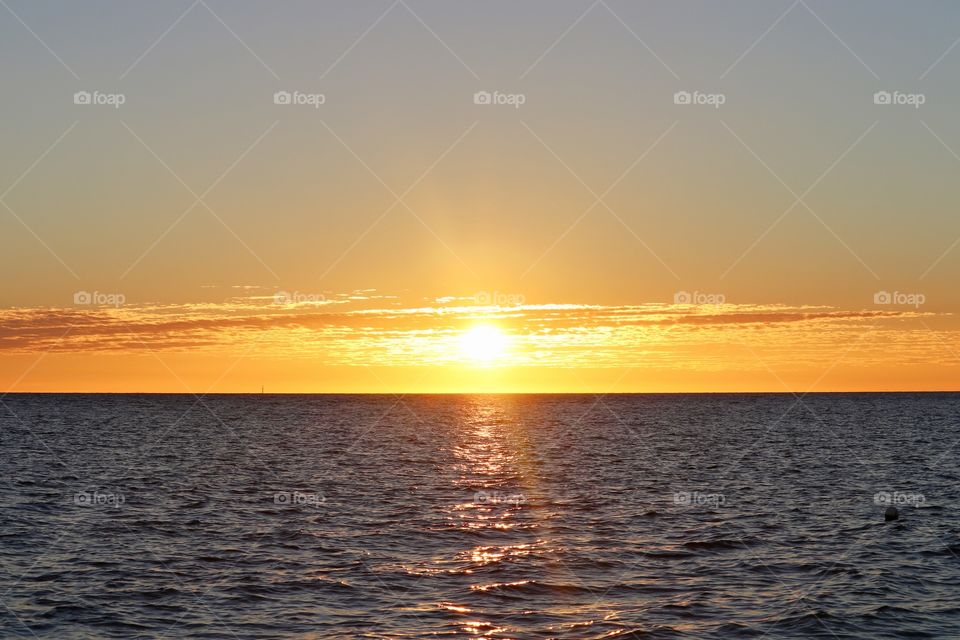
x=473, y=393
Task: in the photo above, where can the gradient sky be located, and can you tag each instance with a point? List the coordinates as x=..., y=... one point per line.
x=493, y=199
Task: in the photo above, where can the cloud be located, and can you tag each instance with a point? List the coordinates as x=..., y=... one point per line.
x=364, y=327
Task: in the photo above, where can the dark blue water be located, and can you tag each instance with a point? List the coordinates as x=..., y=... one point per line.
x=695, y=516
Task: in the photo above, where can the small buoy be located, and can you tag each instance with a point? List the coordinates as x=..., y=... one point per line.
x=891, y=514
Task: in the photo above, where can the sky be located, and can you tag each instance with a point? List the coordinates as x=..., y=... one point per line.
x=333, y=196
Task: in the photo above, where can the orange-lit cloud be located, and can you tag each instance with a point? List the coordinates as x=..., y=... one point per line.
x=366, y=330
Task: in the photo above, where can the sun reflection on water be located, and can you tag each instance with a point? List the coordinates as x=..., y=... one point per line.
x=494, y=467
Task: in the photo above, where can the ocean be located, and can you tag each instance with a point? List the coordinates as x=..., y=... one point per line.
x=468, y=516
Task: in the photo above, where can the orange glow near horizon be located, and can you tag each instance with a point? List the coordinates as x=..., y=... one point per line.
x=364, y=342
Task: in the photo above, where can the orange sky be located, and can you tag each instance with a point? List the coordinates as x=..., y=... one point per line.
x=368, y=342
x=653, y=198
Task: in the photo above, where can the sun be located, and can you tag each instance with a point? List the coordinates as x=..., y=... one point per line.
x=484, y=344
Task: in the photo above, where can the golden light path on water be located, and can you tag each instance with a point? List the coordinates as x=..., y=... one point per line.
x=495, y=467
